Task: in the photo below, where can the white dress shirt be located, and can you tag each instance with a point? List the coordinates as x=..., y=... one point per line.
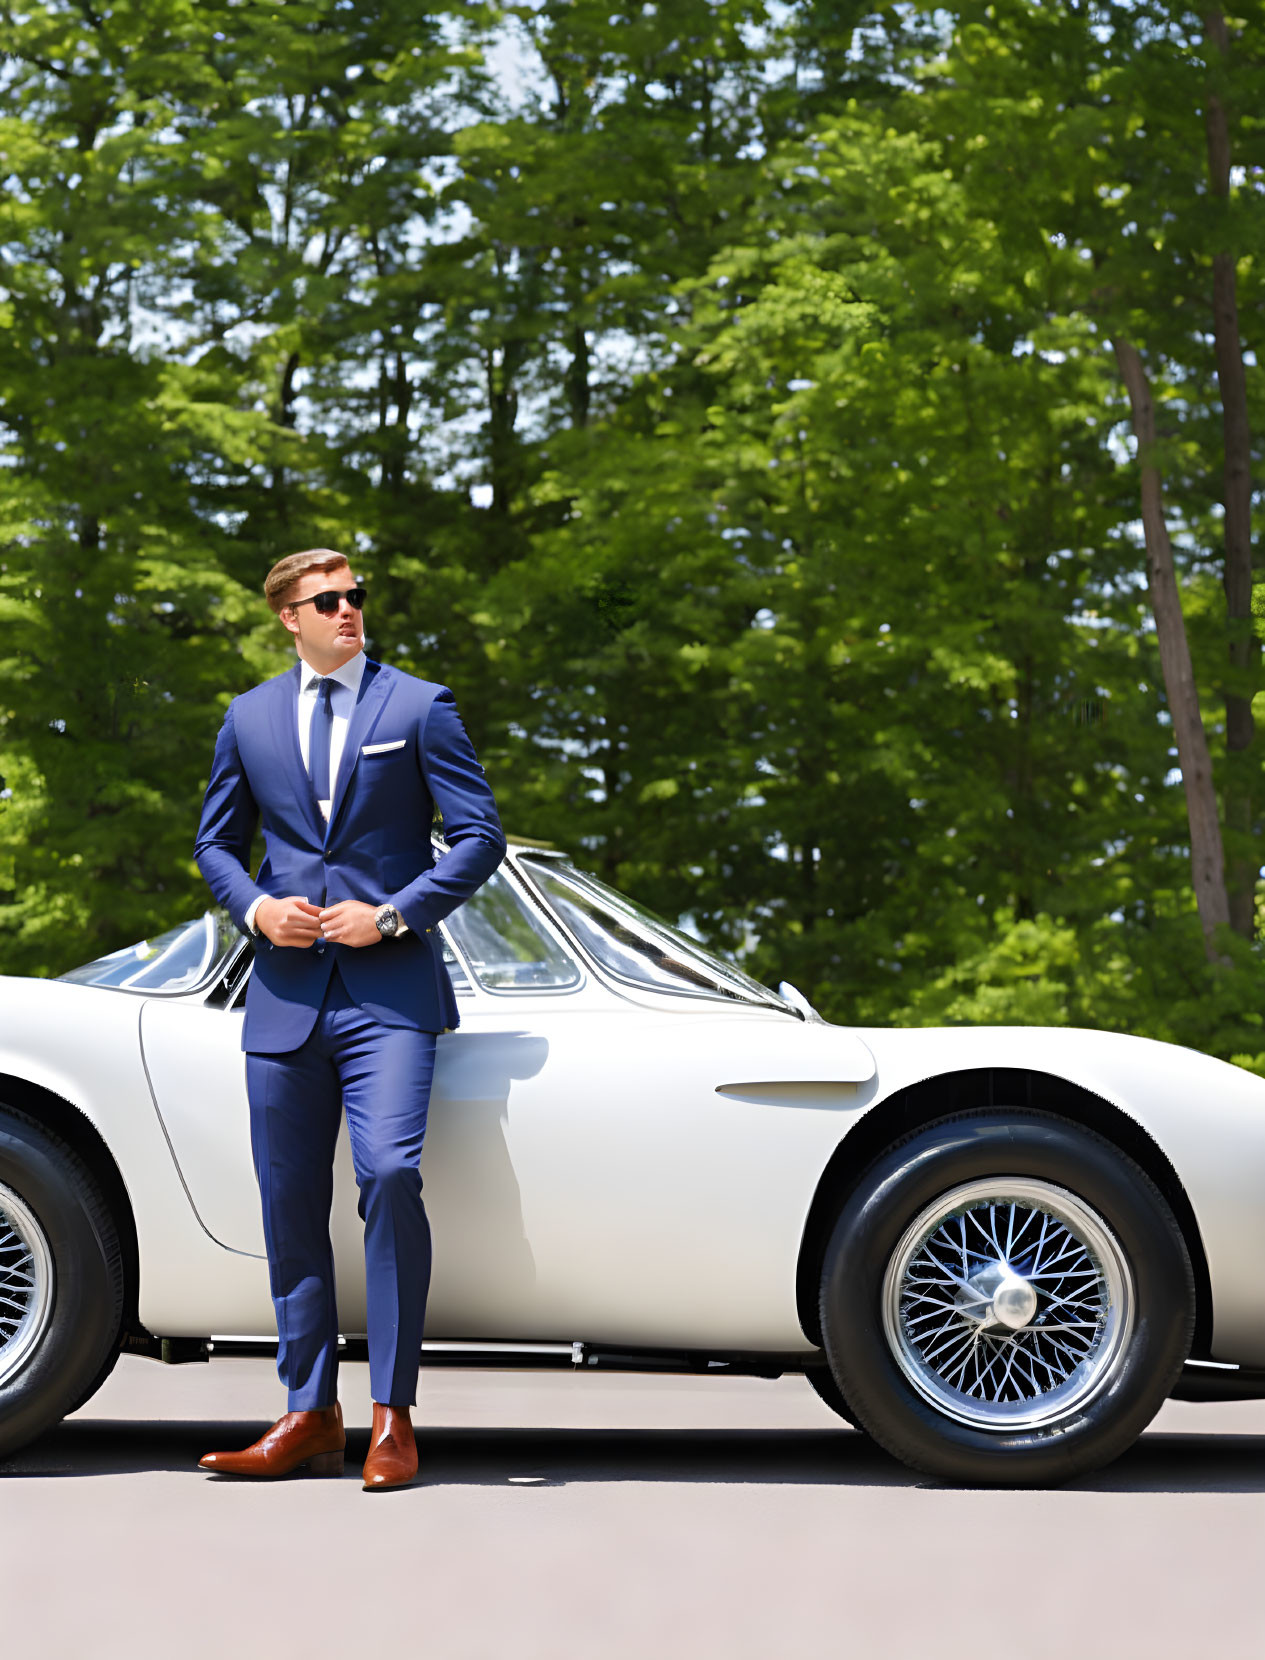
x=342, y=701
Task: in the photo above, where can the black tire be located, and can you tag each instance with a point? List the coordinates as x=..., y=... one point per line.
x=823, y=1381
x=873, y=1228
x=80, y=1335
x=103, y=1372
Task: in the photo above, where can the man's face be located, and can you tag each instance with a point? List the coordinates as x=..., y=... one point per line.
x=322, y=638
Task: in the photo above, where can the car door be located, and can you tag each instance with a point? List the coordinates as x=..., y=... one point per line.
x=196, y=1070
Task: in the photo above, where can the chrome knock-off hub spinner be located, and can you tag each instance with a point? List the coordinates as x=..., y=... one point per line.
x=1014, y=1302
x=997, y=1296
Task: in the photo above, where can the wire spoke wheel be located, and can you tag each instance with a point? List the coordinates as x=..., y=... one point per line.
x=1008, y=1304
x=26, y=1283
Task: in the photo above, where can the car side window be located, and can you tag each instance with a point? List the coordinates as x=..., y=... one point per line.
x=500, y=940
x=456, y=972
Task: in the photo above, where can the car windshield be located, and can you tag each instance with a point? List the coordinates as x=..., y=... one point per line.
x=176, y=961
x=633, y=943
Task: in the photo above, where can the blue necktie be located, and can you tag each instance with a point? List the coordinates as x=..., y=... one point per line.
x=319, y=741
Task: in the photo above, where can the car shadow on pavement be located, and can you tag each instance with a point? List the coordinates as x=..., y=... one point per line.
x=491, y=1457
x=452, y=1457
x=1168, y=1463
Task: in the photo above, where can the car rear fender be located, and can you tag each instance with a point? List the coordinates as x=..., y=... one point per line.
x=83, y=1138
x=80, y=1046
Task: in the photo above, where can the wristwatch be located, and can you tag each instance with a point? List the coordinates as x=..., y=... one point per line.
x=387, y=921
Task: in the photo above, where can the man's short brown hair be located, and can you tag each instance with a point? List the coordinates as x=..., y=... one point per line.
x=280, y=580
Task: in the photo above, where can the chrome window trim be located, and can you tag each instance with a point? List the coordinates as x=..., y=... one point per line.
x=472, y=988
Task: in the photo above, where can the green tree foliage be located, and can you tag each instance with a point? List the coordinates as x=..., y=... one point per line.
x=108, y=582
x=723, y=401
x=176, y=177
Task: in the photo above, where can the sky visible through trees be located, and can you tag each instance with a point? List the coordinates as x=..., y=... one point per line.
x=818, y=444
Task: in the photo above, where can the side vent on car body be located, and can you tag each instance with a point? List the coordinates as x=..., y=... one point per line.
x=796, y=1092
x=813, y=1056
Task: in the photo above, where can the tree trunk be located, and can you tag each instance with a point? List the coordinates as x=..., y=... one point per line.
x=503, y=455
x=1179, y=675
x=576, y=379
x=1244, y=649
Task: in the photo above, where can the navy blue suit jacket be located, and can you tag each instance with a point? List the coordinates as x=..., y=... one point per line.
x=377, y=846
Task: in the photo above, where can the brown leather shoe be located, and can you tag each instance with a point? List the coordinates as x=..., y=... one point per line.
x=312, y=1438
x=392, y=1460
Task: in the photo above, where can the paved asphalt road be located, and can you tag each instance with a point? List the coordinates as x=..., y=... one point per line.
x=630, y=1517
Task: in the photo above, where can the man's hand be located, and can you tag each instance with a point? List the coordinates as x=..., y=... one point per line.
x=289, y=921
x=350, y=922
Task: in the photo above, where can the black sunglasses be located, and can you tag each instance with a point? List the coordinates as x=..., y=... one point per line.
x=327, y=603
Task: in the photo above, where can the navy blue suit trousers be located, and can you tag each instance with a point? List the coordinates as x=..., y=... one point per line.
x=381, y=1075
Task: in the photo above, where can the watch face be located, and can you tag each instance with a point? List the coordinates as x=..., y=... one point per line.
x=387, y=920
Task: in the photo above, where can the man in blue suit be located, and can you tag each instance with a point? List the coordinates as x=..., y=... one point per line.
x=342, y=761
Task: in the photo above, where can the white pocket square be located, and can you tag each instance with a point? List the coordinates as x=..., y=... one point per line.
x=381, y=749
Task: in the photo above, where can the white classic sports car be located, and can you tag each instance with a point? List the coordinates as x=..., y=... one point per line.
x=996, y=1250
